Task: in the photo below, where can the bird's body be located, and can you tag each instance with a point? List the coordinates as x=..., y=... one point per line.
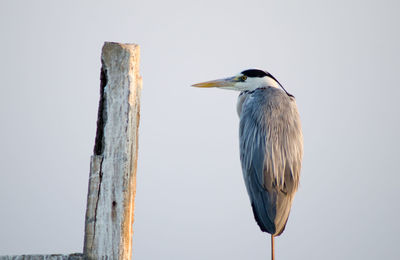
x=271, y=145
x=270, y=153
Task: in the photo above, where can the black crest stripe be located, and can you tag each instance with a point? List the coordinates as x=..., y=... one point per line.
x=254, y=73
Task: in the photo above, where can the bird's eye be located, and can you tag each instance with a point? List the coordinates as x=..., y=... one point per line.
x=244, y=77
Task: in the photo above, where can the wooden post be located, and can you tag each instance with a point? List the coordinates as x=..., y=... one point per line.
x=112, y=181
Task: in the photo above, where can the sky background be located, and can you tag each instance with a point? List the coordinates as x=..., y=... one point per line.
x=339, y=58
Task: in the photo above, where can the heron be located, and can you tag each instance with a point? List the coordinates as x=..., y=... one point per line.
x=271, y=145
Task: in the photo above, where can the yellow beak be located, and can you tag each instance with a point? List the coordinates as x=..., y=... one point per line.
x=228, y=82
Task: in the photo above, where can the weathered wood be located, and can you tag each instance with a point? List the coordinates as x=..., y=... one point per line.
x=76, y=256
x=112, y=182
x=112, y=179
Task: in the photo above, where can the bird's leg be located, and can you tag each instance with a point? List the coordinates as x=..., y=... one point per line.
x=272, y=248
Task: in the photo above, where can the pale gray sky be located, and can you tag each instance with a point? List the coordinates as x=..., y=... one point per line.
x=339, y=58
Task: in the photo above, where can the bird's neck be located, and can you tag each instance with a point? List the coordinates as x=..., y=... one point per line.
x=270, y=82
x=241, y=98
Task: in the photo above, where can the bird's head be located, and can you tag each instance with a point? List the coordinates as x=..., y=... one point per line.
x=247, y=80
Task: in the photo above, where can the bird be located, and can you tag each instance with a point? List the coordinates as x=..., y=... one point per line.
x=271, y=145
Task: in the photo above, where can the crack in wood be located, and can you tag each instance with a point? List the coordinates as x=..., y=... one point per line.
x=97, y=201
x=102, y=115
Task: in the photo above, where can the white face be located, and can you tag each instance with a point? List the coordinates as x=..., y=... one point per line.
x=241, y=82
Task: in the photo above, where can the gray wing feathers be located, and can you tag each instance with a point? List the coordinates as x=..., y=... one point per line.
x=271, y=149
